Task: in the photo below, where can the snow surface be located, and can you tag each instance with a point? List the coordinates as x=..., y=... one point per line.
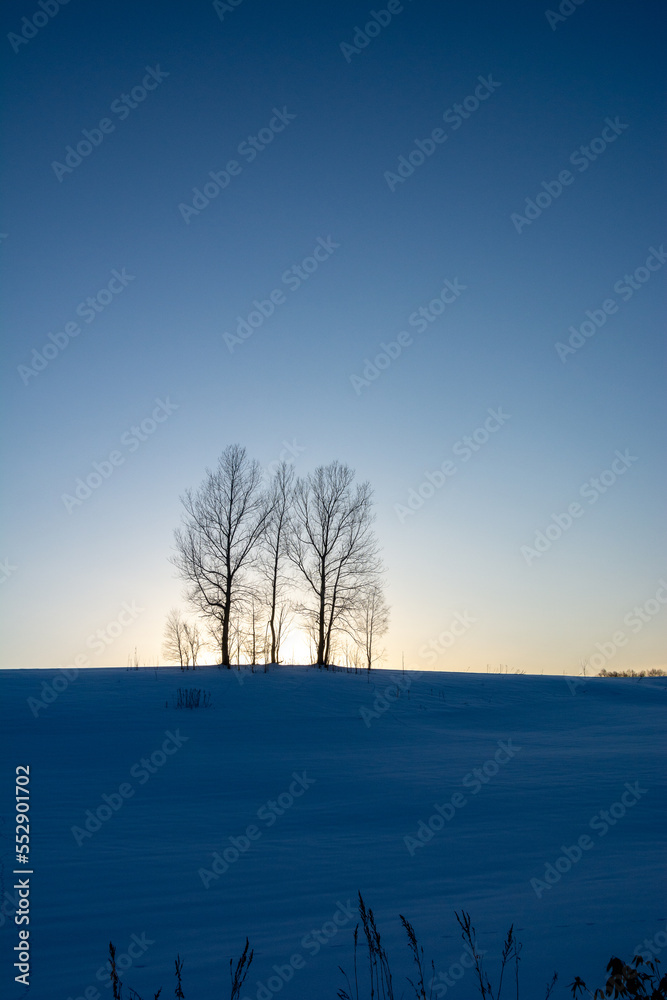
x=139, y=874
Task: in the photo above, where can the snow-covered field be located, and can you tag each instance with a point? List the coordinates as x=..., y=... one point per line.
x=264, y=814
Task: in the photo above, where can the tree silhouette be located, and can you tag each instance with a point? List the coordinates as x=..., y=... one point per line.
x=332, y=544
x=224, y=521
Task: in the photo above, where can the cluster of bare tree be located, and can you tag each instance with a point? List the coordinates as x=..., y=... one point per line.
x=259, y=560
x=182, y=640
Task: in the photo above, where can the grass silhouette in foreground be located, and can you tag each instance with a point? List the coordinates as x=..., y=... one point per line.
x=237, y=976
x=381, y=984
x=638, y=980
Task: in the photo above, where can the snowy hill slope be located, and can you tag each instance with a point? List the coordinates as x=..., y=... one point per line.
x=264, y=814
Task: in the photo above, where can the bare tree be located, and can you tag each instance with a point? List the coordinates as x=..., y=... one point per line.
x=223, y=522
x=175, y=645
x=194, y=641
x=275, y=542
x=332, y=544
x=371, y=622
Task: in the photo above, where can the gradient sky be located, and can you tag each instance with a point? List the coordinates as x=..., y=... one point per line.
x=219, y=74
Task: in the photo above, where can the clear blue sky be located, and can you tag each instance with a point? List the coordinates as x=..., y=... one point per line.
x=407, y=155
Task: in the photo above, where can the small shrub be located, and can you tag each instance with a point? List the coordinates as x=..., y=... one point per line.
x=627, y=981
x=193, y=698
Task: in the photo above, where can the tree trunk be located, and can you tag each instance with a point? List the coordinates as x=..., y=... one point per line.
x=321, y=630
x=226, y=614
x=274, y=600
